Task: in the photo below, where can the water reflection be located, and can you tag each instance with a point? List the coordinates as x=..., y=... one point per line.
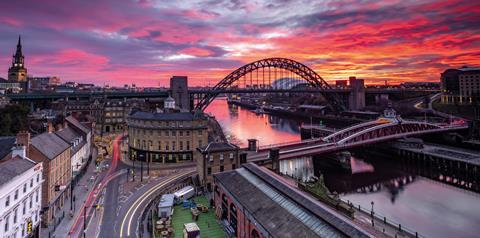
x=402, y=193
x=242, y=124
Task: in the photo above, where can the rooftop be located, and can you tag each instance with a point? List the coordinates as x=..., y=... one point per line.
x=11, y=168
x=6, y=144
x=75, y=123
x=165, y=116
x=281, y=210
x=218, y=146
x=49, y=144
x=69, y=135
x=166, y=200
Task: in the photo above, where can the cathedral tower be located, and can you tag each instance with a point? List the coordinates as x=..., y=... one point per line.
x=18, y=72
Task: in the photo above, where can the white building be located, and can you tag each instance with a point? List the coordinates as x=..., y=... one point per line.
x=79, y=137
x=20, y=195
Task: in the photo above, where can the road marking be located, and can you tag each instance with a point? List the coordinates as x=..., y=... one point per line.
x=142, y=198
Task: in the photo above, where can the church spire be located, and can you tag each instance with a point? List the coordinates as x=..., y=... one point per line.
x=18, y=72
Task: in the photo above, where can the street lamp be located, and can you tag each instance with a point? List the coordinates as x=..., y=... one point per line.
x=372, y=212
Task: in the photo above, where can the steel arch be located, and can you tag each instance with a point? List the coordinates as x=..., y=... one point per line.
x=298, y=68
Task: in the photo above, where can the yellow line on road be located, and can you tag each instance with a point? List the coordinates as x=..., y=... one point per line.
x=142, y=198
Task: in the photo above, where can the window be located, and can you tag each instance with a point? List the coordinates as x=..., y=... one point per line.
x=24, y=188
x=174, y=133
x=209, y=170
x=36, y=196
x=221, y=168
x=166, y=146
x=188, y=145
x=15, y=197
x=180, y=133
x=31, y=200
x=181, y=145
x=15, y=216
x=173, y=145
x=159, y=145
x=210, y=158
x=38, y=178
x=31, y=182
x=234, y=166
x=199, y=143
x=7, y=201
x=200, y=132
x=166, y=133
x=7, y=218
x=188, y=133
x=231, y=155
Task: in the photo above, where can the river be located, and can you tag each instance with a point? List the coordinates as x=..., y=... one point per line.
x=431, y=208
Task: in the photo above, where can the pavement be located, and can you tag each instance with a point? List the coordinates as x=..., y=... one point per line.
x=83, y=187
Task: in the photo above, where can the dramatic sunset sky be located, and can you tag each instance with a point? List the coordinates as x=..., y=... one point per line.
x=145, y=42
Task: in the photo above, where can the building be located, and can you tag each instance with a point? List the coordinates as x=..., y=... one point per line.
x=54, y=153
x=254, y=202
x=356, y=99
x=20, y=195
x=43, y=83
x=10, y=86
x=166, y=137
x=18, y=72
x=179, y=92
x=341, y=83
x=6, y=145
x=216, y=157
x=460, y=86
x=79, y=147
x=114, y=116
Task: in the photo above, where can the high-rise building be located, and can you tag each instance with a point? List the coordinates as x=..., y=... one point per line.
x=18, y=72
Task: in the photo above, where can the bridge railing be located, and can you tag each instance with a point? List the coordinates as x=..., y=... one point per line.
x=269, y=146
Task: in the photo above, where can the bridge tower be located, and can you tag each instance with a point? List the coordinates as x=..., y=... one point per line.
x=179, y=92
x=356, y=100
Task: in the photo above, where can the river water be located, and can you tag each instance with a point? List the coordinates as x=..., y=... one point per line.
x=430, y=207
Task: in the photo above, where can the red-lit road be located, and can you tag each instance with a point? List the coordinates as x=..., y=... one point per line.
x=77, y=228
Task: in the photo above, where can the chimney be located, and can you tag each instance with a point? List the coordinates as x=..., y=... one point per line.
x=50, y=128
x=65, y=123
x=23, y=139
x=19, y=150
x=59, y=127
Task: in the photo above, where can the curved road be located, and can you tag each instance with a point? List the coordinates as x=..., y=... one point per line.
x=131, y=211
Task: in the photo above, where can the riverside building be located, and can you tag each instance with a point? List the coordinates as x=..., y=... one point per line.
x=166, y=137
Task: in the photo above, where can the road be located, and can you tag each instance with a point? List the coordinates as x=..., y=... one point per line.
x=131, y=211
x=77, y=228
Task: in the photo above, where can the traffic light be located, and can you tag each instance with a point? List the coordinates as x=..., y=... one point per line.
x=29, y=227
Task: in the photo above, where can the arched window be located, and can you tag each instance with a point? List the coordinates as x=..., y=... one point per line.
x=224, y=207
x=233, y=218
x=255, y=234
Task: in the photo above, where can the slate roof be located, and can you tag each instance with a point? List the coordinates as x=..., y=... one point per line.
x=13, y=167
x=279, y=209
x=49, y=144
x=77, y=124
x=218, y=146
x=6, y=144
x=69, y=135
x=163, y=116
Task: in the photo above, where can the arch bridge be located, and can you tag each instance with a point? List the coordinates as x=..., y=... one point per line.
x=263, y=76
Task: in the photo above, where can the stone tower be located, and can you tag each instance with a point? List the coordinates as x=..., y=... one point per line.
x=18, y=72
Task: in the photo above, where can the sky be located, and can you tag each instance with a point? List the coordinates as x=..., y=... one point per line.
x=145, y=42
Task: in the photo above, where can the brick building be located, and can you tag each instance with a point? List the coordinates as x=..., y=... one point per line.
x=254, y=202
x=216, y=157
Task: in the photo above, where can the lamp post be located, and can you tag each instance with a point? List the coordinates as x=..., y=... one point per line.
x=372, y=212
